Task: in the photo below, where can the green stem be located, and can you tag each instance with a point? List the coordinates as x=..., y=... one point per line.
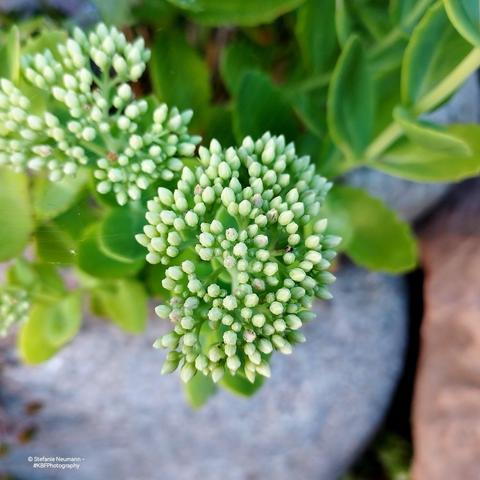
x=391, y=134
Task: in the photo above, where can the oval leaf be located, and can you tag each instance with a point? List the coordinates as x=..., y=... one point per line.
x=49, y=327
x=239, y=384
x=378, y=239
x=465, y=16
x=179, y=76
x=199, y=389
x=53, y=198
x=434, y=50
x=124, y=302
x=236, y=12
x=260, y=107
x=429, y=137
x=350, y=107
x=316, y=35
x=15, y=214
x=92, y=260
x=117, y=234
x=412, y=162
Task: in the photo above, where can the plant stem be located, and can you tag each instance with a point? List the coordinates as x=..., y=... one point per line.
x=392, y=133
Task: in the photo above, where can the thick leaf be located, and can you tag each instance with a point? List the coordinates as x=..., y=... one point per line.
x=15, y=214
x=236, y=12
x=54, y=245
x=351, y=105
x=124, y=302
x=10, y=65
x=199, y=389
x=117, y=233
x=378, y=240
x=260, y=106
x=220, y=125
x=36, y=278
x=343, y=21
x=316, y=35
x=430, y=136
x=53, y=198
x=434, y=50
x=239, y=384
x=406, y=13
x=465, y=16
x=311, y=108
x=49, y=327
x=237, y=58
x=179, y=75
x=92, y=260
x=114, y=12
x=411, y=161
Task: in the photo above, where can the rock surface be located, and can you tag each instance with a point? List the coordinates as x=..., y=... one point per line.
x=411, y=199
x=105, y=400
x=447, y=399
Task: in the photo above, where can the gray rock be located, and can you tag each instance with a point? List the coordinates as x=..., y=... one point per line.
x=412, y=199
x=105, y=400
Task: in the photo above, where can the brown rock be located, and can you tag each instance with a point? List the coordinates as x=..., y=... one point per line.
x=446, y=411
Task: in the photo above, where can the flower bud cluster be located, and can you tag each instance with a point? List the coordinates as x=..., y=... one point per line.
x=14, y=307
x=245, y=250
x=95, y=119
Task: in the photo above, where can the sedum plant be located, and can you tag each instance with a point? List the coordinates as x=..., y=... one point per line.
x=101, y=170
x=246, y=253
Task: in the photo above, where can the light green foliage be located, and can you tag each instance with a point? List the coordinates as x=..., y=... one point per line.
x=243, y=241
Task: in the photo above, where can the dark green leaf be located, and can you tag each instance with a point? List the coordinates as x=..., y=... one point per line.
x=236, y=12
x=117, y=233
x=260, y=106
x=199, y=389
x=351, y=106
x=434, y=50
x=406, y=13
x=429, y=136
x=411, y=161
x=239, y=384
x=49, y=327
x=465, y=16
x=237, y=58
x=124, y=302
x=92, y=260
x=54, y=245
x=316, y=35
x=378, y=239
x=15, y=214
x=220, y=125
x=53, y=198
x=179, y=75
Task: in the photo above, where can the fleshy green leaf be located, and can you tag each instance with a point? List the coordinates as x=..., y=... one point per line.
x=239, y=385
x=92, y=260
x=36, y=277
x=406, y=13
x=413, y=162
x=179, y=75
x=199, y=389
x=465, y=16
x=429, y=136
x=124, y=302
x=114, y=12
x=434, y=50
x=53, y=198
x=10, y=65
x=378, y=239
x=49, y=327
x=220, y=125
x=237, y=58
x=236, y=12
x=260, y=106
x=15, y=214
x=117, y=233
x=316, y=35
x=351, y=106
